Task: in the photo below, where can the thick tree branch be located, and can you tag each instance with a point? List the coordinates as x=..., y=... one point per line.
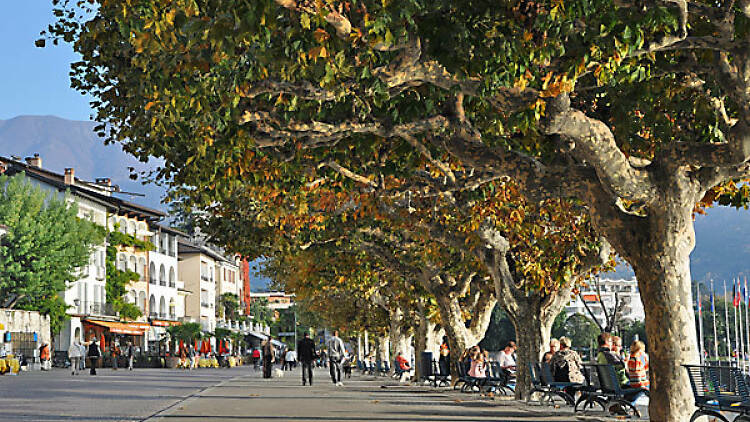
x=595, y=145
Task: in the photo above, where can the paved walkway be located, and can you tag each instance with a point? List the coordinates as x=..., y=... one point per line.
x=249, y=398
x=240, y=394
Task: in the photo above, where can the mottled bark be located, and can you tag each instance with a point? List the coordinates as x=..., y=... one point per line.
x=461, y=337
x=658, y=247
x=399, y=334
x=532, y=321
x=427, y=338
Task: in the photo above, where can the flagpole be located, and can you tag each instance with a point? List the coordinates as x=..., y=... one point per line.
x=713, y=312
x=742, y=334
x=726, y=321
x=736, y=332
x=747, y=317
x=700, y=322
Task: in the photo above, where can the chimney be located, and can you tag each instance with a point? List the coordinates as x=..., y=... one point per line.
x=70, y=176
x=104, y=181
x=35, y=161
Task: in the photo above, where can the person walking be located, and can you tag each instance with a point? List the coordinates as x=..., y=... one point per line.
x=444, y=363
x=256, y=359
x=44, y=356
x=306, y=354
x=191, y=356
x=130, y=354
x=93, y=355
x=269, y=355
x=336, y=352
x=290, y=359
x=74, y=354
x=115, y=354
x=83, y=355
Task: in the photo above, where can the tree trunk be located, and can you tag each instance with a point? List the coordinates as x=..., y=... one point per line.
x=658, y=248
x=533, y=324
x=427, y=337
x=663, y=273
x=383, y=348
x=459, y=336
x=400, y=339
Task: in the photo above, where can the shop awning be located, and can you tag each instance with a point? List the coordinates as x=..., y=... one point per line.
x=132, y=329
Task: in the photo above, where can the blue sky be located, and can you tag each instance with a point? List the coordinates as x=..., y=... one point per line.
x=35, y=80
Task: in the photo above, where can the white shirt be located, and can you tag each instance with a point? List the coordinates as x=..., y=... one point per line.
x=291, y=356
x=505, y=359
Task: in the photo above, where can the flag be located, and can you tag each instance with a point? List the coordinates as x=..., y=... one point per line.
x=736, y=294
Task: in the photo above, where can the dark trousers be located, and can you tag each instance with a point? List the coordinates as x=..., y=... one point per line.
x=93, y=363
x=335, y=367
x=307, y=370
x=267, y=366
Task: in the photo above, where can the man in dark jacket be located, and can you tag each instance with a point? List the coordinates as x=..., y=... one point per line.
x=306, y=355
x=269, y=356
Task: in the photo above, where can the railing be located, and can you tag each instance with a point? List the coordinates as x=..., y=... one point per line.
x=171, y=283
x=95, y=308
x=162, y=282
x=204, y=304
x=152, y=280
x=153, y=315
x=204, y=277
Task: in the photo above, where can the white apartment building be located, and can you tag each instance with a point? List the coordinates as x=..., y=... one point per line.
x=626, y=292
x=90, y=312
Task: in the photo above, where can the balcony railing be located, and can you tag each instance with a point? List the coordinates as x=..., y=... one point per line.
x=95, y=308
x=162, y=282
x=152, y=281
x=171, y=283
x=204, y=277
x=205, y=304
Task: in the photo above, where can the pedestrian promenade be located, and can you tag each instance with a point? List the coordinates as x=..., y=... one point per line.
x=365, y=398
x=241, y=394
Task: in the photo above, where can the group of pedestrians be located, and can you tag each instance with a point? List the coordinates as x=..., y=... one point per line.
x=79, y=352
x=307, y=355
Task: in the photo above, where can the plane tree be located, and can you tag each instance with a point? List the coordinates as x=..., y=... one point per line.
x=636, y=109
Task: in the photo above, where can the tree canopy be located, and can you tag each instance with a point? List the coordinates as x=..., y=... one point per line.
x=635, y=111
x=46, y=247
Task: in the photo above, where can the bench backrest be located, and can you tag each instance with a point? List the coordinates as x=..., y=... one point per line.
x=546, y=374
x=608, y=379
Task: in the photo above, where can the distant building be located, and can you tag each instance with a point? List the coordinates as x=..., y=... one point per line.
x=626, y=291
x=276, y=300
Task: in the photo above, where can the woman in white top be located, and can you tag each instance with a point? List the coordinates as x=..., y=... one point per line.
x=74, y=354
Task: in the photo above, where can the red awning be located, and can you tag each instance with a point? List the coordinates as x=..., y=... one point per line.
x=121, y=327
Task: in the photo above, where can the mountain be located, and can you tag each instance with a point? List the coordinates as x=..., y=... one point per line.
x=722, y=243
x=66, y=143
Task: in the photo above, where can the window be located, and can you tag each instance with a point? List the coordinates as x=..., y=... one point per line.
x=162, y=308
x=133, y=264
x=142, y=268
x=204, y=298
x=122, y=262
x=172, y=277
x=152, y=306
x=123, y=226
x=204, y=271
x=131, y=228
x=162, y=276
x=152, y=273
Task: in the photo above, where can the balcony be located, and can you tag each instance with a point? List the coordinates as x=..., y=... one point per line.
x=152, y=281
x=95, y=308
x=205, y=305
x=171, y=283
x=162, y=282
